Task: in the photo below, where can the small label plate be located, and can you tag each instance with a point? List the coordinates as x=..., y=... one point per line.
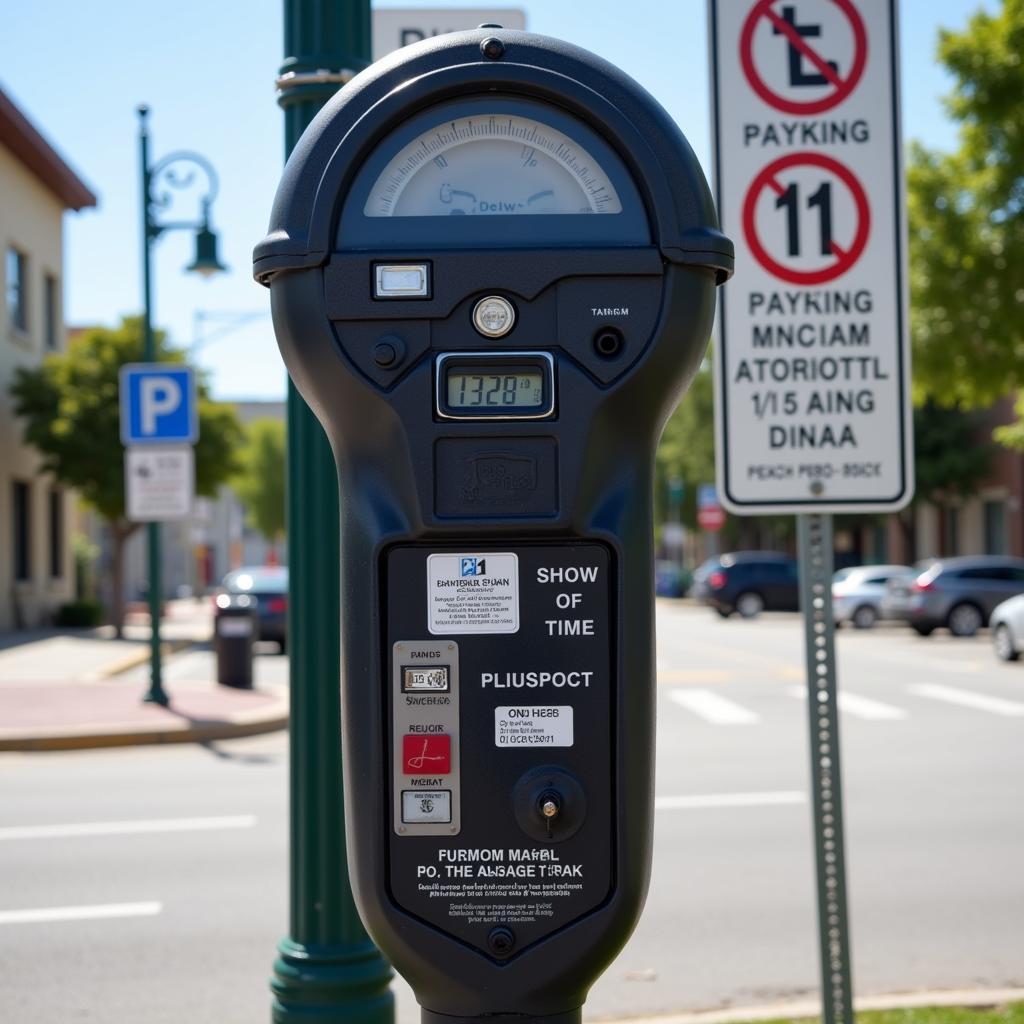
x=519, y=726
x=474, y=592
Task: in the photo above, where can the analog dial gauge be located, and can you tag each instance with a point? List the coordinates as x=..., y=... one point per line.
x=497, y=164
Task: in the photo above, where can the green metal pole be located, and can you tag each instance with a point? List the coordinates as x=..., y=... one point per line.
x=156, y=693
x=327, y=969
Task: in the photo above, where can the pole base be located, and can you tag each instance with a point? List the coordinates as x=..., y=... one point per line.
x=157, y=697
x=571, y=1017
x=331, y=985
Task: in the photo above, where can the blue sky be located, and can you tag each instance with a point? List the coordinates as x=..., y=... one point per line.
x=78, y=70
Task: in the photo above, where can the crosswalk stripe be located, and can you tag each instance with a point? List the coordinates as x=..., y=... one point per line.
x=858, y=706
x=73, y=830
x=94, y=913
x=700, y=801
x=968, y=699
x=713, y=707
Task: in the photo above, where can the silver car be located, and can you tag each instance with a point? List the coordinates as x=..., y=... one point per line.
x=960, y=593
x=1007, y=625
x=857, y=592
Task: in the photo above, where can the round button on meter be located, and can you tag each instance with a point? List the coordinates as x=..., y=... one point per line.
x=494, y=316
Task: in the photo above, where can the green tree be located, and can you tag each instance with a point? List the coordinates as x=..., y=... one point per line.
x=69, y=406
x=261, y=481
x=966, y=215
x=687, y=447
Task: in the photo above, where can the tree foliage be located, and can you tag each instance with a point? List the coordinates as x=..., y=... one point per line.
x=687, y=447
x=70, y=411
x=260, y=484
x=966, y=223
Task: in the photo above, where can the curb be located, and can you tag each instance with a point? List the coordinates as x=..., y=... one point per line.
x=798, y=1010
x=204, y=732
x=136, y=658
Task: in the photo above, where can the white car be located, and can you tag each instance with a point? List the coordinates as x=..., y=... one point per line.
x=1007, y=625
x=857, y=592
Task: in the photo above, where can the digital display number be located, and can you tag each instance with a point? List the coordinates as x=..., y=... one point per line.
x=416, y=679
x=472, y=389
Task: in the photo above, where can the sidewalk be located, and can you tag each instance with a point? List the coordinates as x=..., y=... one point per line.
x=78, y=689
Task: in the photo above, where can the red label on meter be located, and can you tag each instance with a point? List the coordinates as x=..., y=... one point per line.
x=426, y=755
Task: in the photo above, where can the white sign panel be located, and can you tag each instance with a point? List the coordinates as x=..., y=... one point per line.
x=812, y=373
x=473, y=592
x=159, y=483
x=545, y=726
x=394, y=28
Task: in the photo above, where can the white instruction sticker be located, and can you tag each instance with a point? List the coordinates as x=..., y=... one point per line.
x=521, y=726
x=473, y=593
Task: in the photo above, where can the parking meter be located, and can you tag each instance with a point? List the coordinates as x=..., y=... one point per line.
x=492, y=263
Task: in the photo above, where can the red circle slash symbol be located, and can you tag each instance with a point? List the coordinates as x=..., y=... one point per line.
x=841, y=259
x=783, y=25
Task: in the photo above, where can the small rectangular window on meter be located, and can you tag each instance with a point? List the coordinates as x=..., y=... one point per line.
x=425, y=678
x=401, y=280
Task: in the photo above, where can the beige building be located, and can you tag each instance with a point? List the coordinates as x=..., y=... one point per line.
x=36, y=187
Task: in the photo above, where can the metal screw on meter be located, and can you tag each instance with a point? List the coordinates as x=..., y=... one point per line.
x=494, y=316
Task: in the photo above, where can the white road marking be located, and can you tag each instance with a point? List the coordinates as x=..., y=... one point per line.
x=779, y=798
x=126, y=828
x=713, y=707
x=968, y=699
x=858, y=706
x=95, y=913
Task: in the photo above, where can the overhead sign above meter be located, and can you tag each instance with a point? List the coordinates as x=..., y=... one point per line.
x=158, y=404
x=812, y=372
x=395, y=27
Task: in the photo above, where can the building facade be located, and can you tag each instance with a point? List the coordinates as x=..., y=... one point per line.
x=36, y=514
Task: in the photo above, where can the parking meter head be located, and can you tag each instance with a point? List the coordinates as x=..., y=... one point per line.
x=492, y=262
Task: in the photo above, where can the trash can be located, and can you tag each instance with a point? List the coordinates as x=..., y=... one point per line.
x=234, y=630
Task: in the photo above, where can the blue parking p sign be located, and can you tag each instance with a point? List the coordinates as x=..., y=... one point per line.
x=158, y=404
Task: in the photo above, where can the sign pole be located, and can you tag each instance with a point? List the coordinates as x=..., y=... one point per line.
x=156, y=693
x=814, y=532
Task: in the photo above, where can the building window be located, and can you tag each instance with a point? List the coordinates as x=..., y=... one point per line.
x=995, y=528
x=51, y=313
x=21, y=530
x=17, y=289
x=56, y=533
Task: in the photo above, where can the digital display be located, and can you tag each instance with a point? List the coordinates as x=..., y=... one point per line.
x=416, y=678
x=476, y=388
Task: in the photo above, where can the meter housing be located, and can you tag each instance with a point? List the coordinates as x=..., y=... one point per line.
x=492, y=262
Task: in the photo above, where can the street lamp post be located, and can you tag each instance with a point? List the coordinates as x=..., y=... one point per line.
x=174, y=172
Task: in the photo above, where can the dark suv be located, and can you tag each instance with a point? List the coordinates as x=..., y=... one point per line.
x=748, y=582
x=958, y=593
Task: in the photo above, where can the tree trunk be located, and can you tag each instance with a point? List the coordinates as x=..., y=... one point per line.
x=906, y=519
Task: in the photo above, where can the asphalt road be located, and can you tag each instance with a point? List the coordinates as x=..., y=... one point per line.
x=150, y=884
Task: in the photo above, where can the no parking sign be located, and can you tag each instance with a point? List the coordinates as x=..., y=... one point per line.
x=812, y=410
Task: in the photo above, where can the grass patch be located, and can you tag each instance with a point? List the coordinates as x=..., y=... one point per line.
x=1008, y=1013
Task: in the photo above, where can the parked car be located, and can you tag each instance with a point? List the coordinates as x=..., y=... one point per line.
x=264, y=588
x=958, y=593
x=670, y=580
x=1007, y=624
x=895, y=603
x=857, y=592
x=748, y=582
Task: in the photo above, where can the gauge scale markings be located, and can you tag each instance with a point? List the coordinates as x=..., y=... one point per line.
x=561, y=176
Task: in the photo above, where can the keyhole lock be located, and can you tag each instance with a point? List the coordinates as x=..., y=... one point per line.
x=549, y=804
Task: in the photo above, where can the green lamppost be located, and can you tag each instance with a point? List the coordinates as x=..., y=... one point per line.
x=327, y=968
x=174, y=172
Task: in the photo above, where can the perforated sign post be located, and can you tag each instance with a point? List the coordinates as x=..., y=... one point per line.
x=812, y=372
